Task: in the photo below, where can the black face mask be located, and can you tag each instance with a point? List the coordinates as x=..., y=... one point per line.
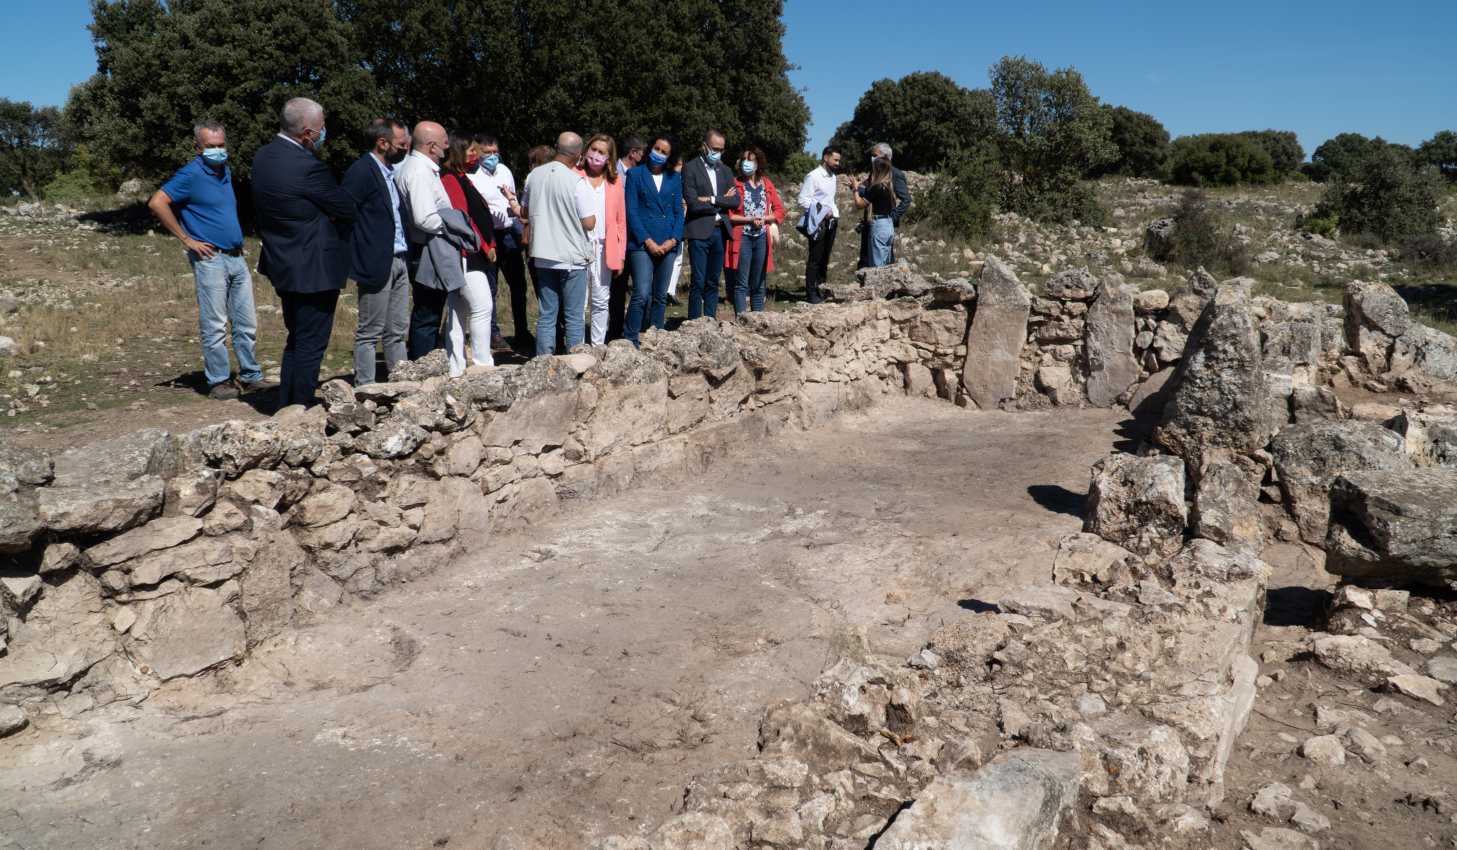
x=396, y=157
x=831, y=168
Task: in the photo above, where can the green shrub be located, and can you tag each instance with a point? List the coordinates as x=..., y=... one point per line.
x=73, y=186
x=1441, y=151
x=1430, y=253
x=1342, y=156
x=1321, y=223
x=924, y=117
x=1202, y=237
x=1142, y=143
x=1284, y=149
x=1051, y=132
x=1389, y=199
x=1219, y=159
x=963, y=197
x=795, y=167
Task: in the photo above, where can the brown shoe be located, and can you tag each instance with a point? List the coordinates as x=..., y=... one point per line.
x=223, y=391
x=253, y=386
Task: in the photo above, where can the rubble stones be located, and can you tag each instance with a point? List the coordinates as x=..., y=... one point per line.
x=1325, y=750
x=1138, y=503
x=1226, y=507
x=12, y=720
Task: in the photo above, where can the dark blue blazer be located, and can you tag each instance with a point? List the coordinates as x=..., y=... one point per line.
x=653, y=213
x=372, y=242
x=303, y=218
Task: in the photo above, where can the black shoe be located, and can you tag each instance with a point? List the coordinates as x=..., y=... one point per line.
x=674, y=302
x=223, y=391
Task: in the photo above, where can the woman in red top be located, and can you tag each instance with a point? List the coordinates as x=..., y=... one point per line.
x=752, y=251
x=470, y=306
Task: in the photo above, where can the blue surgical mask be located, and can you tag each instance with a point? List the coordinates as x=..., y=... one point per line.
x=658, y=158
x=748, y=166
x=216, y=156
x=319, y=142
x=714, y=156
x=490, y=162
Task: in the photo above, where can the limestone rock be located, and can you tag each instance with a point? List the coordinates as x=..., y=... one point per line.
x=1138, y=503
x=12, y=720
x=1431, y=439
x=326, y=504
x=29, y=467
x=108, y=486
x=184, y=633
x=394, y=436
x=1325, y=750
x=19, y=522
x=1221, y=398
x=1360, y=658
x=1277, y=838
x=65, y=632
x=1419, y=687
x=1308, y=457
x=191, y=492
x=1150, y=301
x=694, y=831
x=994, y=339
x=1395, y=525
x=1158, y=239
x=1226, y=507
x=163, y=533
x=1073, y=285
x=1017, y=802
x=1084, y=558
x=1108, y=345
x=1375, y=317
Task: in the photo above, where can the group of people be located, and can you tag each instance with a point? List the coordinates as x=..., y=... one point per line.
x=427, y=222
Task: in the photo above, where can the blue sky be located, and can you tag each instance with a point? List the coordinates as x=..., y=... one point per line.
x=1316, y=68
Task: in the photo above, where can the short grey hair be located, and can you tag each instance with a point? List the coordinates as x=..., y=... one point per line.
x=298, y=114
x=206, y=127
x=882, y=149
x=569, y=144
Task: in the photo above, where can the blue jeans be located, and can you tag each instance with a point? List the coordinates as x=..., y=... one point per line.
x=882, y=240
x=225, y=294
x=749, y=286
x=649, y=304
x=706, y=255
x=559, y=291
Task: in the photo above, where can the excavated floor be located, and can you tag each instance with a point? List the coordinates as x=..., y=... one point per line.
x=563, y=682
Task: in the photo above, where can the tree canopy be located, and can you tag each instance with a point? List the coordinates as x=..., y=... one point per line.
x=925, y=117
x=1142, y=143
x=523, y=69
x=32, y=148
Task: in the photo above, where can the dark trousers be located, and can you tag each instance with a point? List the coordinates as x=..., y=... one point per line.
x=617, y=299
x=818, y=264
x=426, y=314
x=510, y=264
x=309, y=318
x=706, y=256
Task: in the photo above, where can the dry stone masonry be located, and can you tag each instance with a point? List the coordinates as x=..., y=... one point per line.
x=1103, y=704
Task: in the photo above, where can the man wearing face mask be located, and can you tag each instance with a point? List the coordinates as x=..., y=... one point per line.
x=378, y=250
x=206, y=222
x=708, y=190
x=423, y=196
x=820, y=221
x=304, y=218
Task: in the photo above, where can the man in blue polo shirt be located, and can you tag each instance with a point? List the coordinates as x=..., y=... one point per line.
x=201, y=193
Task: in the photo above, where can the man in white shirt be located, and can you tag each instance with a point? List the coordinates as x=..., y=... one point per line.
x=497, y=185
x=422, y=196
x=562, y=214
x=822, y=219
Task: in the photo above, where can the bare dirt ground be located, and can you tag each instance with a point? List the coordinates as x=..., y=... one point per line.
x=563, y=683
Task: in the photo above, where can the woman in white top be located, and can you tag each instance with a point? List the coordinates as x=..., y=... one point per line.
x=599, y=166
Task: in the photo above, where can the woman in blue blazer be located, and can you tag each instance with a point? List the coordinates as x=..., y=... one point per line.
x=654, y=236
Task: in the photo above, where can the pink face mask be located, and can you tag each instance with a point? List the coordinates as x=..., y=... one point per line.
x=596, y=160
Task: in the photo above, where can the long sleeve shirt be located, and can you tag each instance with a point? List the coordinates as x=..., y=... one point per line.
x=423, y=195
x=819, y=188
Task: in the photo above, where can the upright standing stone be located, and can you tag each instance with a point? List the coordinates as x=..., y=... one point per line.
x=1221, y=398
x=1108, y=344
x=994, y=340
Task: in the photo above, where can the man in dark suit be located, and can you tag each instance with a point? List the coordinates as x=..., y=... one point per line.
x=377, y=250
x=902, y=203
x=304, y=218
x=710, y=193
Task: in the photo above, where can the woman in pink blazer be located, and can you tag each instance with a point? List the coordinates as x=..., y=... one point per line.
x=599, y=167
